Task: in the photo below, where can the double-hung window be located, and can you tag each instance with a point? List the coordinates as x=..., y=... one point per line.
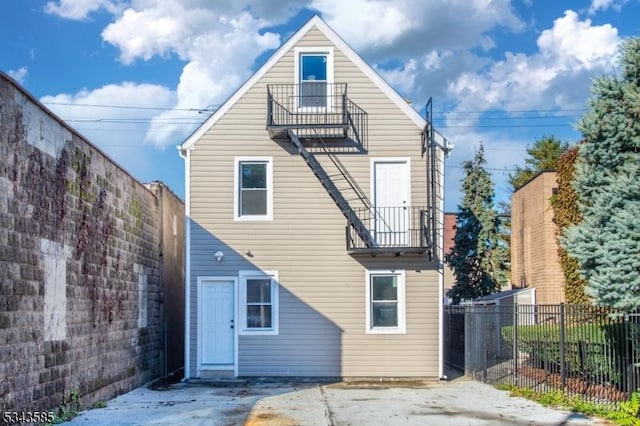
x=254, y=189
x=385, y=302
x=258, y=302
x=314, y=74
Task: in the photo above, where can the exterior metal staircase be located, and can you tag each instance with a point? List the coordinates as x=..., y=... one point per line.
x=360, y=228
x=327, y=123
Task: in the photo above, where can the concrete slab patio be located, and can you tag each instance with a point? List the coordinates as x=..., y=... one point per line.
x=458, y=402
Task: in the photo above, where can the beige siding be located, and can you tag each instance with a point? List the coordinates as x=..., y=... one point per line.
x=322, y=294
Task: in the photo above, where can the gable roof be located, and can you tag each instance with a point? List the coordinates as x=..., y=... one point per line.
x=317, y=22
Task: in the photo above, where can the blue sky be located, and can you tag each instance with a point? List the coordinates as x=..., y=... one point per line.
x=137, y=76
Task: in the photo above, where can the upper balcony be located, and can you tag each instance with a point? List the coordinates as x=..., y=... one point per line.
x=315, y=109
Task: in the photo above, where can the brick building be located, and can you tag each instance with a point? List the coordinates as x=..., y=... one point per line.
x=534, y=251
x=449, y=236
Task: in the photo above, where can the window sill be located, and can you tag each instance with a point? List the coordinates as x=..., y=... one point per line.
x=253, y=218
x=258, y=332
x=390, y=330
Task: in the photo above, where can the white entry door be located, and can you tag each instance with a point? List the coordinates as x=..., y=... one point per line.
x=217, y=323
x=392, y=199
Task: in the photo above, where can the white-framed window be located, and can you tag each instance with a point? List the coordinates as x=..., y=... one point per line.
x=253, y=182
x=258, y=301
x=313, y=69
x=385, y=308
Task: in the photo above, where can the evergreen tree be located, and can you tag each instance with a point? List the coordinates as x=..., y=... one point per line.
x=543, y=155
x=477, y=256
x=606, y=243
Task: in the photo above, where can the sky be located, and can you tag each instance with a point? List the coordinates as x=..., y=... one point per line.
x=136, y=77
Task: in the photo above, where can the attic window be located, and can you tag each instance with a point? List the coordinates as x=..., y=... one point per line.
x=314, y=77
x=313, y=80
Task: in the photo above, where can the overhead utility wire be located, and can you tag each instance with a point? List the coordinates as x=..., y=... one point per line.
x=514, y=111
x=214, y=107
x=206, y=109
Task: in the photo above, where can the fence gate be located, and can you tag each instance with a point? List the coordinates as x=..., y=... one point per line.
x=454, y=332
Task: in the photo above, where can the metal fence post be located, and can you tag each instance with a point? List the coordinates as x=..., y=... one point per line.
x=563, y=372
x=485, y=332
x=515, y=344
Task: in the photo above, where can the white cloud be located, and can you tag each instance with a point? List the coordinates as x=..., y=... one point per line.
x=603, y=5
x=402, y=79
x=572, y=43
x=557, y=75
x=367, y=24
x=407, y=28
x=19, y=75
x=208, y=41
x=80, y=9
x=439, y=35
x=157, y=31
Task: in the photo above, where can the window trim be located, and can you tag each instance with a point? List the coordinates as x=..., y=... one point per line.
x=311, y=50
x=242, y=303
x=401, y=327
x=237, y=189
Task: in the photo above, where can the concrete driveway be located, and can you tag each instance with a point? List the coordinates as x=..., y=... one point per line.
x=458, y=402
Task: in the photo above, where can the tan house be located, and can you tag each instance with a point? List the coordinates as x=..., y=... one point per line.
x=314, y=224
x=534, y=251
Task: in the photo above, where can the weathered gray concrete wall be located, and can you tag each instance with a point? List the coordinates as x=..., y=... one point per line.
x=80, y=265
x=172, y=268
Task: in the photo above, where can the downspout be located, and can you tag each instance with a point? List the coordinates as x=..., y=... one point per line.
x=435, y=197
x=184, y=153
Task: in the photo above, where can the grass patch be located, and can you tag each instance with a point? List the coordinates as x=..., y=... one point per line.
x=625, y=413
x=99, y=404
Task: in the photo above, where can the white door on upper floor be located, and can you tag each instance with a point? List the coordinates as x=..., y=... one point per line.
x=392, y=201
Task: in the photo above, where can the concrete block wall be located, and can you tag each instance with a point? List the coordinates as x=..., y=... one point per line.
x=80, y=279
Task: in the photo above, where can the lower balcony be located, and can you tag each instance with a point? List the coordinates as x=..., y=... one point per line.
x=393, y=230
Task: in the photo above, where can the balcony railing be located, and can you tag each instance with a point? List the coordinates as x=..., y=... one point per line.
x=394, y=229
x=315, y=109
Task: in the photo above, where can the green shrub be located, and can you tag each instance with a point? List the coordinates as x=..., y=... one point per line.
x=590, y=349
x=68, y=409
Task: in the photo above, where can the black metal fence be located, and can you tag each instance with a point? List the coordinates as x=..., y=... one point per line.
x=581, y=350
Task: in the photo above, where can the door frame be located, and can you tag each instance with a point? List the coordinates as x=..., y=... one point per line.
x=201, y=281
x=407, y=177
